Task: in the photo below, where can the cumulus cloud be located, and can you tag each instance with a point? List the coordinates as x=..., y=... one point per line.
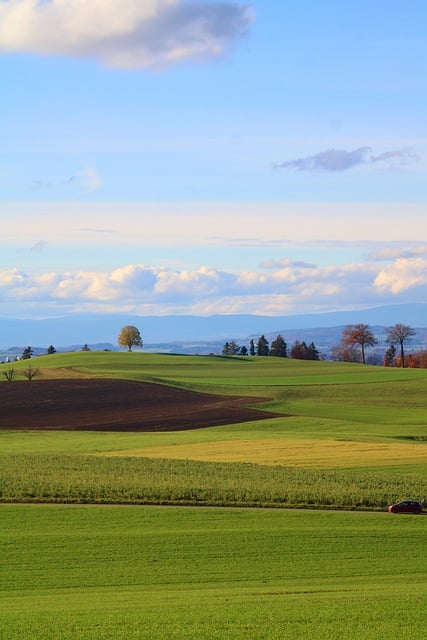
x=282, y=287
x=403, y=274
x=123, y=34
x=167, y=290
x=11, y=278
x=342, y=160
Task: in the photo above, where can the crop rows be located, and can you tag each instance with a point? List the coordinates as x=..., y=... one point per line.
x=93, y=479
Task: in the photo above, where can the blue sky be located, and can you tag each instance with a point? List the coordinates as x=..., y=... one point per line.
x=197, y=156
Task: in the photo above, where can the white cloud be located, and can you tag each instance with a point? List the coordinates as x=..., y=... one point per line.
x=135, y=276
x=205, y=289
x=124, y=34
x=10, y=278
x=403, y=274
x=336, y=160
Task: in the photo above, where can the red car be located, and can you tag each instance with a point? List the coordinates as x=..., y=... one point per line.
x=406, y=506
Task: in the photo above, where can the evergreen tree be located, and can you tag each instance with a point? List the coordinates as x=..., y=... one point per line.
x=298, y=350
x=51, y=350
x=313, y=352
x=263, y=348
x=390, y=356
x=27, y=353
x=252, y=347
x=231, y=348
x=279, y=348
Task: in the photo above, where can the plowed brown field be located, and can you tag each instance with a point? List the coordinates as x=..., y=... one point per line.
x=113, y=405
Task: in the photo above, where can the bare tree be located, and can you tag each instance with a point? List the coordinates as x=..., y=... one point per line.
x=399, y=334
x=31, y=372
x=9, y=374
x=361, y=335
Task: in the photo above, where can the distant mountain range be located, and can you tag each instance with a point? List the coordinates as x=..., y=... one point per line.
x=198, y=334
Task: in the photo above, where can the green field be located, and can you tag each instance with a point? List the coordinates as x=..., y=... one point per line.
x=351, y=436
x=351, y=440
x=155, y=573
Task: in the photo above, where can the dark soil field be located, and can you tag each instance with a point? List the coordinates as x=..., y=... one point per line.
x=112, y=405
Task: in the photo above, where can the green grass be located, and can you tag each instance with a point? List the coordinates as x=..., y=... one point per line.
x=152, y=573
x=353, y=438
x=356, y=434
x=133, y=480
x=214, y=372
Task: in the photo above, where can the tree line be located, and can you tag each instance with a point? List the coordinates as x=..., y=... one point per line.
x=277, y=349
x=355, y=341
x=358, y=337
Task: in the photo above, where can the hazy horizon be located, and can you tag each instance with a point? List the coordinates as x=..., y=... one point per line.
x=78, y=329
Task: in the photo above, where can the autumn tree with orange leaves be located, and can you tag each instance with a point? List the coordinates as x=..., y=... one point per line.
x=359, y=335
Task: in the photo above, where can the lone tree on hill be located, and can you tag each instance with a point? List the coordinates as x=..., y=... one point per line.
x=27, y=353
x=51, y=349
x=129, y=337
x=359, y=334
x=399, y=334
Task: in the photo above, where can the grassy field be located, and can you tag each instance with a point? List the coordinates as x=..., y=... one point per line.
x=155, y=573
x=351, y=438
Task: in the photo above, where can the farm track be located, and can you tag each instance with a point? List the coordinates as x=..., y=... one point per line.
x=193, y=506
x=118, y=406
